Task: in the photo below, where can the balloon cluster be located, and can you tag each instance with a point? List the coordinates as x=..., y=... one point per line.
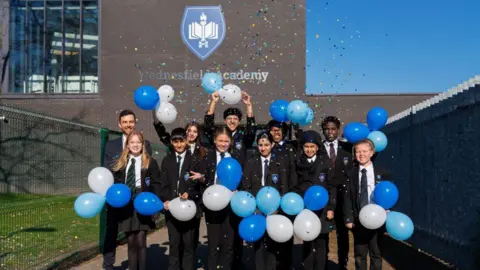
x=230, y=93
x=376, y=119
x=297, y=111
x=101, y=182
x=147, y=98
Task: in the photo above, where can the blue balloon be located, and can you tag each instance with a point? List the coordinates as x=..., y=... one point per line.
x=316, y=198
x=118, y=195
x=252, y=228
x=89, y=204
x=297, y=111
x=278, y=110
x=309, y=118
x=147, y=204
x=292, y=204
x=243, y=204
x=399, y=226
x=385, y=194
x=377, y=118
x=355, y=132
x=379, y=140
x=146, y=97
x=229, y=172
x=268, y=200
x=211, y=82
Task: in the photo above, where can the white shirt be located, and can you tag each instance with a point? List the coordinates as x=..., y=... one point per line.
x=370, y=181
x=312, y=159
x=218, y=161
x=192, y=147
x=327, y=147
x=281, y=143
x=138, y=167
x=263, y=168
x=124, y=139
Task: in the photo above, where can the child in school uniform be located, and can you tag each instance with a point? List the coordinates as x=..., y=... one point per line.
x=266, y=169
x=314, y=169
x=359, y=192
x=176, y=168
x=140, y=173
x=220, y=230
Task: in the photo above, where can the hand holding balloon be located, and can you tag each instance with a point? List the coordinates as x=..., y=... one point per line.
x=165, y=205
x=184, y=196
x=246, y=98
x=215, y=96
x=330, y=214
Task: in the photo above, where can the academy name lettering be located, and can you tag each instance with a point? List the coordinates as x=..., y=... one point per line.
x=241, y=75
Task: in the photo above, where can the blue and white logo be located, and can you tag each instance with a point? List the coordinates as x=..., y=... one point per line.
x=322, y=177
x=203, y=29
x=147, y=181
x=274, y=178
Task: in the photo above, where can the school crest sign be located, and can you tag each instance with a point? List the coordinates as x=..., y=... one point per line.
x=203, y=29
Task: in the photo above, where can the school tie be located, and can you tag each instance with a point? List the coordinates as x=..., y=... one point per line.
x=265, y=172
x=333, y=156
x=179, y=160
x=131, y=175
x=363, y=189
x=222, y=155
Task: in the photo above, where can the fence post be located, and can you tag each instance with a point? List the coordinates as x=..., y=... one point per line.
x=103, y=215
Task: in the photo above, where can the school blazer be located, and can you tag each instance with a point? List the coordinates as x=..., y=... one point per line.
x=343, y=162
x=289, y=153
x=277, y=176
x=351, y=206
x=178, y=185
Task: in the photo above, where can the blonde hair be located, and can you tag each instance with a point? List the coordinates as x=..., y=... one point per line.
x=122, y=161
x=364, y=141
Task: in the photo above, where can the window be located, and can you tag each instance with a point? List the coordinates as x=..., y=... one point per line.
x=53, y=47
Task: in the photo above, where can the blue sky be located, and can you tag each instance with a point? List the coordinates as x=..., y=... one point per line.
x=374, y=46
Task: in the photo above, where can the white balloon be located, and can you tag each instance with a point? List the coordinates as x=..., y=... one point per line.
x=182, y=210
x=279, y=228
x=230, y=94
x=372, y=216
x=100, y=180
x=166, y=93
x=307, y=225
x=166, y=113
x=216, y=197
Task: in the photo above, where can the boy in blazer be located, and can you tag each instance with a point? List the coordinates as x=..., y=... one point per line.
x=314, y=169
x=176, y=168
x=362, y=180
x=266, y=169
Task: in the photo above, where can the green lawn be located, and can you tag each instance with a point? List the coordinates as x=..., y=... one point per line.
x=35, y=230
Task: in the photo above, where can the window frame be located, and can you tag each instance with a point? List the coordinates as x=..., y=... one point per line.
x=5, y=47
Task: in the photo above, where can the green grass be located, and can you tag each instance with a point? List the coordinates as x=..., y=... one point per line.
x=35, y=230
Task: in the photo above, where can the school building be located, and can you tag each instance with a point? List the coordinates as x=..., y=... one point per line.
x=83, y=60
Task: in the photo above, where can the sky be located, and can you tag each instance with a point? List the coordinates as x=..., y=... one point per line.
x=387, y=46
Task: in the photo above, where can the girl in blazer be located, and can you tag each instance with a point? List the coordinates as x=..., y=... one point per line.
x=314, y=169
x=176, y=168
x=220, y=230
x=266, y=169
x=140, y=173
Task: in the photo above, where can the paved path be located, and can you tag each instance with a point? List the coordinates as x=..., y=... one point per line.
x=158, y=253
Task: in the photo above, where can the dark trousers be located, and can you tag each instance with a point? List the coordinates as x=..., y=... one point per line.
x=284, y=255
x=265, y=254
x=315, y=256
x=181, y=236
x=197, y=231
x=220, y=239
x=365, y=242
x=237, y=242
x=110, y=243
x=137, y=250
x=342, y=236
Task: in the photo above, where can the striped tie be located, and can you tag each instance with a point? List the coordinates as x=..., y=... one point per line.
x=131, y=175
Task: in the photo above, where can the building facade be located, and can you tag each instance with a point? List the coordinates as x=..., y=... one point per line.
x=84, y=59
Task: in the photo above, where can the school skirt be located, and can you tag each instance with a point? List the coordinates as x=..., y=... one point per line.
x=129, y=220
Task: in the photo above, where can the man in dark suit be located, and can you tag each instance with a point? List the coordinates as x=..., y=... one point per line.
x=340, y=157
x=113, y=150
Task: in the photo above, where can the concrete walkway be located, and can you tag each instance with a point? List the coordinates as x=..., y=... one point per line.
x=158, y=253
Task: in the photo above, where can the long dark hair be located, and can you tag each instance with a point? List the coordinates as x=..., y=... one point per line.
x=201, y=149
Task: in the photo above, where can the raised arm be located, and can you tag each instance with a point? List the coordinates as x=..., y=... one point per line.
x=251, y=126
x=162, y=133
x=210, y=117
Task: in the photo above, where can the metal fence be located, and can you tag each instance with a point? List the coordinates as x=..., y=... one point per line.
x=44, y=165
x=432, y=153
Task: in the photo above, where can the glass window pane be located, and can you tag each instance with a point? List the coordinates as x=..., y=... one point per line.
x=71, y=53
x=17, y=59
x=35, y=79
x=53, y=46
x=90, y=47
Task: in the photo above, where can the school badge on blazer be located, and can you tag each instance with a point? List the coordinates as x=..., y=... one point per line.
x=345, y=160
x=274, y=178
x=186, y=176
x=378, y=178
x=147, y=181
x=322, y=177
x=238, y=145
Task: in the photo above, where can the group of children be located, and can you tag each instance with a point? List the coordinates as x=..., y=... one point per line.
x=292, y=166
